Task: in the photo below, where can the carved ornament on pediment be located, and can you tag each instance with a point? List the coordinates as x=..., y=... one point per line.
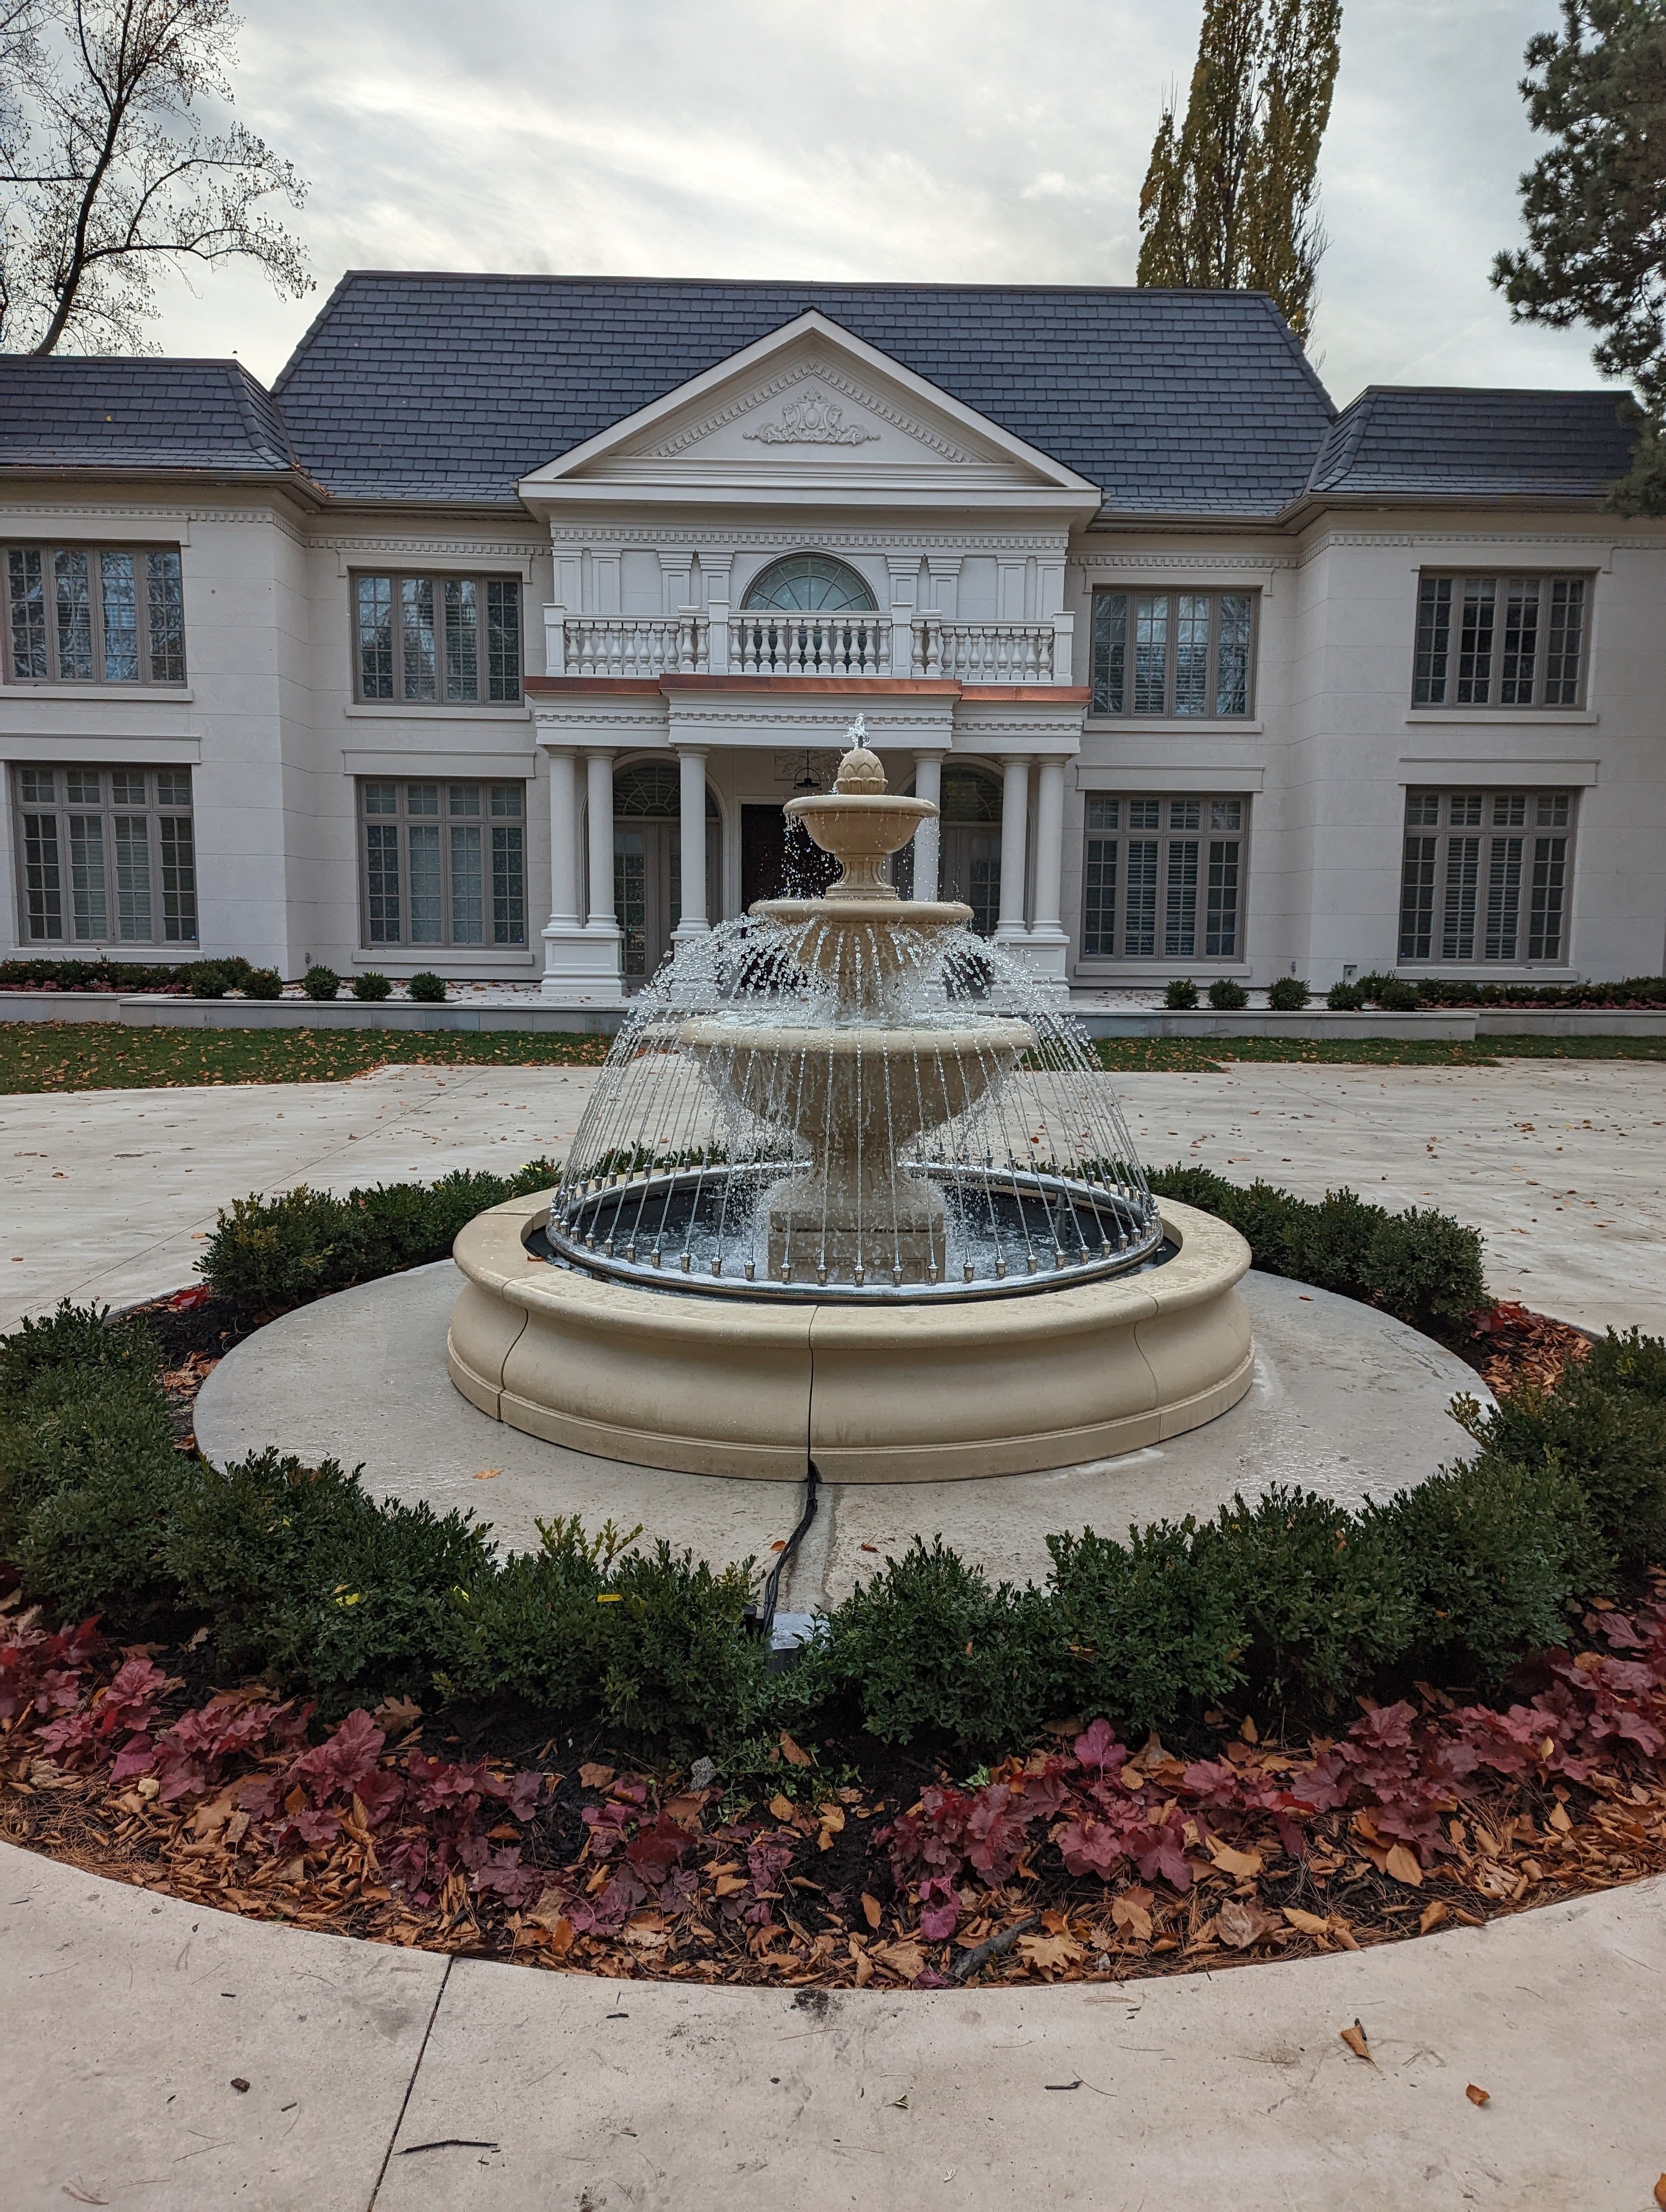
x=816, y=374
x=813, y=420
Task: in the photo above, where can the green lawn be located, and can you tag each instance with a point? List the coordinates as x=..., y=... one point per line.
x=1164, y=1056
x=106, y=1056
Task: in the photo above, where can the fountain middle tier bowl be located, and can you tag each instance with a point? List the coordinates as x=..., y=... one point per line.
x=857, y=1087
x=865, y=946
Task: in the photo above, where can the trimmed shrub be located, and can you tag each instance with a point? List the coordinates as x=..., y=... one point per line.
x=1345, y=999
x=310, y=1579
x=1145, y=1626
x=1492, y=1551
x=372, y=985
x=1422, y=1266
x=929, y=1644
x=209, y=980
x=263, y=983
x=1321, y=1593
x=1181, y=995
x=1395, y=997
x=1605, y=1425
x=1286, y=995
x=1226, y=996
x=321, y=983
x=427, y=987
x=271, y=1253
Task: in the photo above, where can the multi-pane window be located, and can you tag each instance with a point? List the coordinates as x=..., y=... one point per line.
x=438, y=641
x=1172, y=653
x=92, y=614
x=1486, y=876
x=1499, y=641
x=444, y=863
x=106, y=855
x=1162, y=879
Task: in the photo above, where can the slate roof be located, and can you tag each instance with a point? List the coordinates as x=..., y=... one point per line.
x=452, y=387
x=147, y=413
x=1402, y=440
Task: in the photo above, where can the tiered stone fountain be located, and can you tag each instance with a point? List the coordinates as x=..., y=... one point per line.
x=848, y=1189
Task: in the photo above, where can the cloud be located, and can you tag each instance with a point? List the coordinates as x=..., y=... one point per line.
x=956, y=140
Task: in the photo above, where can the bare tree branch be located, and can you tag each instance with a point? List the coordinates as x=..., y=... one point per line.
x=109, y=173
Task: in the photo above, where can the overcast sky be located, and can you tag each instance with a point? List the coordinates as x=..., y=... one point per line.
x=1000, y=141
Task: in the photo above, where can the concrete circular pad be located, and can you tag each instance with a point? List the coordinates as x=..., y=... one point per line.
x=1343, y=1401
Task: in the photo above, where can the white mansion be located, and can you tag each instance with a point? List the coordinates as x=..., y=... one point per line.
x=492, y=639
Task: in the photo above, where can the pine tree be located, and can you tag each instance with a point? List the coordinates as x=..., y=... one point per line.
x=1595, y=208
x=1230, y=198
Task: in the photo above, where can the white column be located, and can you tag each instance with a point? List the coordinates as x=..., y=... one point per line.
x=1049, y=845
x=692, y=830
x=1014, y=841
x=929, y=837
x=598, y=811
x=1048, y=945
x=563, y=843
x=581, y=965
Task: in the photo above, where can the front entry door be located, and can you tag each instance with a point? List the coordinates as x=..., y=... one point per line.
x=777, y=860
x=647, y=893
x=969, y=871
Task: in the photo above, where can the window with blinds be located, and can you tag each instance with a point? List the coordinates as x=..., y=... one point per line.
x=1172, y=653
x=105, y=855
x=1488, y=640
x=437, y=641
x=443, y=864
x=1164, y=878
x=93, y=614
x=1486, y=877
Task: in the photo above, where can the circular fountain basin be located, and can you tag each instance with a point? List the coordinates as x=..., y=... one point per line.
x=920, y=1391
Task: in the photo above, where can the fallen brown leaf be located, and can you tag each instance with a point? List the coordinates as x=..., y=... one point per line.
x=1127, y=1913
x=1310, y=1923
x=592, y=1775
x=1403, y=1864
x=487, y=1473
x=792, y=1753
x=872, y=1910
x=1660, y=2192
x=906, y=1960
x=1241, y=1924
x=1354, y=2037
x=1050, y=1951
x=1242, y=1866
x=1432, y=1916
x=1484, y=2096
x=782, y=1808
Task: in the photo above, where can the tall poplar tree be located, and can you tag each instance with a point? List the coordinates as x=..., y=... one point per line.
x=1595, y=208
x=1230, y=198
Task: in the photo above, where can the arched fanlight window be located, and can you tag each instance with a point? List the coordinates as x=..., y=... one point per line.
x=810, y=581
x=969, y=796
x=652, y=791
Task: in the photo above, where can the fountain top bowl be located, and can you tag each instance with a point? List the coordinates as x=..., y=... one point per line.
x=860, y=823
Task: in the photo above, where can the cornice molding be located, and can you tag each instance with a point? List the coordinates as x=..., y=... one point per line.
x=740, y=545
x=1196, y=561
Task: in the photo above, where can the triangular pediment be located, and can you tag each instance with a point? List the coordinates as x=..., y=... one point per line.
x=811, y=412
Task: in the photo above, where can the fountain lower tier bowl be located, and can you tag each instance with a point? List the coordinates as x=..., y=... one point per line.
x=902, y=1392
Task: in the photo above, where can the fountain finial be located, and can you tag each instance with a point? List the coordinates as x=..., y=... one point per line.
x=859, y=770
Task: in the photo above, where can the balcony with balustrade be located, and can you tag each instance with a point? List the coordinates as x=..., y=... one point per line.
x=815, y=645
